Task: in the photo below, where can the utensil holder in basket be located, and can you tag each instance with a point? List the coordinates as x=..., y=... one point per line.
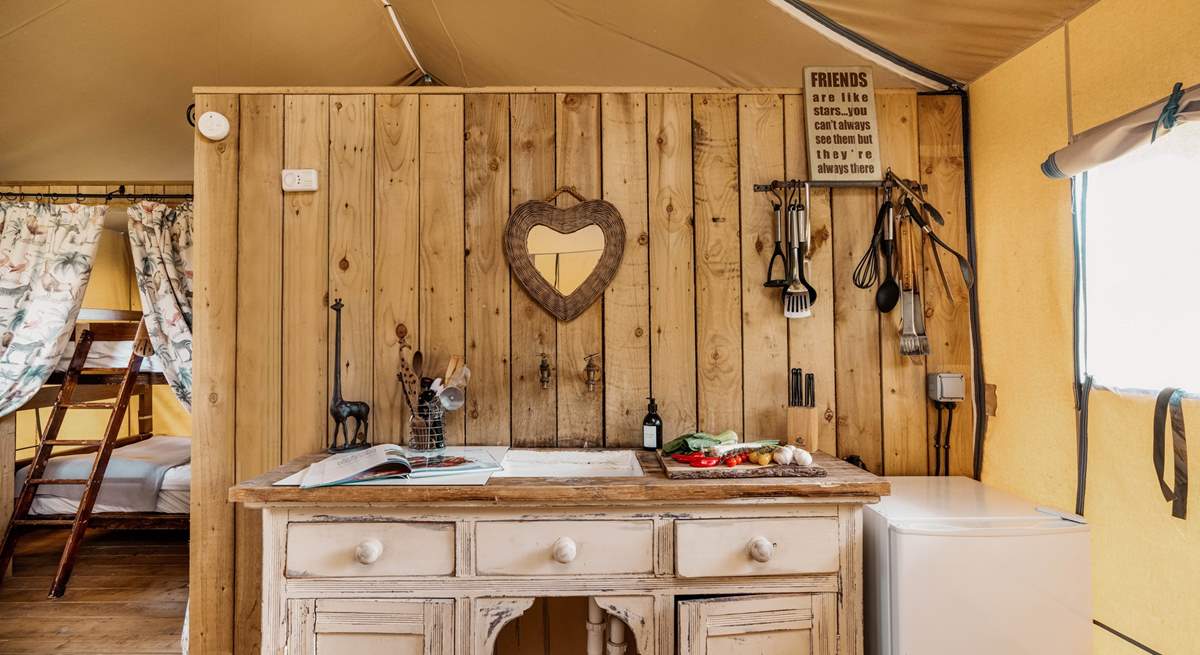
x=427, y=428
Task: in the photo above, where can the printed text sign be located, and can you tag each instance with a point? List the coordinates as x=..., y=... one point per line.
x=843, y=138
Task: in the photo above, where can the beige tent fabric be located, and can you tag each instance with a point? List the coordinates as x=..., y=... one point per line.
x=1119, y=137
x=962, y=39
x=133, y=62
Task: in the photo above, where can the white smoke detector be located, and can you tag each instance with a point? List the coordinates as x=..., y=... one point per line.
x=213, y=125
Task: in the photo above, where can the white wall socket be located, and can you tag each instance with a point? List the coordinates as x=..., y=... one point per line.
x=299, y=179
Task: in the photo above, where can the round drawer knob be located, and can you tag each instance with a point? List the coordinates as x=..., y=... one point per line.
x=368, y=552
x=761, y=549
x=564, y=550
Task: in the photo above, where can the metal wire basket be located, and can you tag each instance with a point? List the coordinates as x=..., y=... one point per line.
x=427, y=428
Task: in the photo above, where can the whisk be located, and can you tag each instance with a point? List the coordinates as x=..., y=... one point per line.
x=866, y=273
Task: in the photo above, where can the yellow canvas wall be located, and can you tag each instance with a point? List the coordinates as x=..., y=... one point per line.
x=1123, y=55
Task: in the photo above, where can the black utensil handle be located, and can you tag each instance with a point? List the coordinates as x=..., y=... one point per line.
x=803, y=255
x=937, y=216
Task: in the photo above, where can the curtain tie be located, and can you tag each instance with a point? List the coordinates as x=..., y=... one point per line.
x=1170, y=112
x=1169, y=401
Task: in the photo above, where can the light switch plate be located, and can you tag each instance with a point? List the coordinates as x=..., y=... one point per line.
x=299, y=179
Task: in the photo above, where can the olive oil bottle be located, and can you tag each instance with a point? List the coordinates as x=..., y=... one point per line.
x=652, y=428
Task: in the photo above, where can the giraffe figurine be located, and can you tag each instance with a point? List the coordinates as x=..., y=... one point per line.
x=342, y=410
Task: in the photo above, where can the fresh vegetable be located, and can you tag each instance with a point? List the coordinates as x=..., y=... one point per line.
x=802, y=457
x=724, y=448
x=783, y=455
x=704, y=462
x=698, y=441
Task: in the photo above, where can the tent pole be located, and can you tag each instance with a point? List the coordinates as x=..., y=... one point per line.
x=979, y=390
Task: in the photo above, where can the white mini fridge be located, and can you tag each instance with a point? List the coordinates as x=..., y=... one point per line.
x=953, y=567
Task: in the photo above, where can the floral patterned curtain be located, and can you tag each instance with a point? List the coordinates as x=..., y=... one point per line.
x=46, y=255
x=161, y=240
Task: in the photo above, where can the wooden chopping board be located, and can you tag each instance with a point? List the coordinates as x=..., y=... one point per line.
x=680, y=471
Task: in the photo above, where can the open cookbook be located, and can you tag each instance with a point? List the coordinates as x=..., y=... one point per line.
x=387, y=461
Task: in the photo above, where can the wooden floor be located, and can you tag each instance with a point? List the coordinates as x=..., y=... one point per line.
x=127, y=595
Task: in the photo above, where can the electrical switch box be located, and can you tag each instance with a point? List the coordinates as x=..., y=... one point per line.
x=299, y=179
x=947, y=387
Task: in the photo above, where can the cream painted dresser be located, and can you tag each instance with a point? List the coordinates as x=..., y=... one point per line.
x=770, y=565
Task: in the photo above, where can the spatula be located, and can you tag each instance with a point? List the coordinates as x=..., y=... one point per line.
x=795, y=295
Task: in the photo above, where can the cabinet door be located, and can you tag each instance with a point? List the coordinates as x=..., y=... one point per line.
x=371, y=627
x=792, y=624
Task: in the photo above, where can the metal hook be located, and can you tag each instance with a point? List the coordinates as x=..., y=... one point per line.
x=591, y=372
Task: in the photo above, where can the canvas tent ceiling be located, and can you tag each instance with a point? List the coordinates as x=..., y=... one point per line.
x=97, y=88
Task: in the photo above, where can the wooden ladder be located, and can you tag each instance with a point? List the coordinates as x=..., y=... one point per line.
x=103, y=447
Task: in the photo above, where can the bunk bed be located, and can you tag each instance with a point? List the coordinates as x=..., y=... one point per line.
x=108, y=362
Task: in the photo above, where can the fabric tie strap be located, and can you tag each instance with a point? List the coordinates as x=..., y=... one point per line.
x=1170, y=112
x=1171, y=399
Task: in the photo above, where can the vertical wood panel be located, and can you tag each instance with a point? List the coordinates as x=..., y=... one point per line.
x=627, y=298
x=351, y=240
x=856, y=332
x=533, y=330
x=259, y=326
x=442, y=239
x=487, y=311
x=214, y=378
x=902, y=378
x=810, y=341
x=672, y=268
x=577, y=164
x=764, y=329
x=397, y=252
x=948, y=324
x=718, y=262
x=306, y=278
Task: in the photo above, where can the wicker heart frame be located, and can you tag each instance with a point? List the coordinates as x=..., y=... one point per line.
x=564, y=221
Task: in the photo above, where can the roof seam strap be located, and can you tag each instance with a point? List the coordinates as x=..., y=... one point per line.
x=572, y=13
x=403, y=37
x=863, y=46
x=457, y=53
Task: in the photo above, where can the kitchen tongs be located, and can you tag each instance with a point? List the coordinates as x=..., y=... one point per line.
x=968, y=273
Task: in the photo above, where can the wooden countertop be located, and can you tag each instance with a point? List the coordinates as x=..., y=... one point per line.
x=843, y=480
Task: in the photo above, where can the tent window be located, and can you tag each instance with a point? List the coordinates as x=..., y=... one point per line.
x=1141, y=237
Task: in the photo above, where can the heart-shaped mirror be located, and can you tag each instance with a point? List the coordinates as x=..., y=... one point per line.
x=564, y=258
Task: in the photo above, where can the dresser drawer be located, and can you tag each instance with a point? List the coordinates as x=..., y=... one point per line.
x=348, y=550
x=706, y=548
x=564, y=547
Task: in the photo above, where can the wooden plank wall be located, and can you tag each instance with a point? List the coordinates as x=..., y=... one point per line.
x=415, y=188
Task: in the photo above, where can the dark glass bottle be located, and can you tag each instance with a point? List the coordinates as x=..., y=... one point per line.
x=652, y=428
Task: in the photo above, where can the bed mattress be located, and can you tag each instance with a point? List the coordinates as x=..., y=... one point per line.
x=108, y=354
x=174, y=497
